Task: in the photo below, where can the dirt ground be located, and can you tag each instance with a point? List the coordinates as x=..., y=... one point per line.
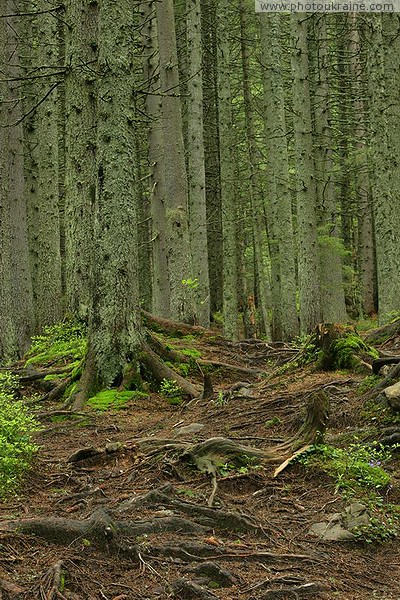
x=264, y=551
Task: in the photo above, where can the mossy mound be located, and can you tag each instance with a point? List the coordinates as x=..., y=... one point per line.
x=114, y=399
x=341, y=348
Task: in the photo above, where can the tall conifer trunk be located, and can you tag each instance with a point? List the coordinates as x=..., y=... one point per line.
x=308, y=257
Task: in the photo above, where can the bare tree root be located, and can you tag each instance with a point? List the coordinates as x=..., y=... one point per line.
x=188, y=590
x=10, y=590
x=294, y=591
x=195, y=552
x=100, y=528
x=53, y=579
x=209, y=517
x=31, y=375
x=58, y=391
x=173, y=355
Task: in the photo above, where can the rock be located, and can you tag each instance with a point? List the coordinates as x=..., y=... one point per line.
x=392, y=394
x=113, y=447
x=338, y=527
x=189, y=429
x=84, y=454
x=356, y=516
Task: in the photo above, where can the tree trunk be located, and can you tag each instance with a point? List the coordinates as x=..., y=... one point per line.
x=196, y=166
x=15, y=275
x=211, y=153
x=330, y=247
x=155, y=140
x=226, y=144
x=279, y=201
x=42, y=166
x=384, y=130
x=114, y=326
x=256, y=189
x=176, y=188
x=80, y=147
x=308, y=258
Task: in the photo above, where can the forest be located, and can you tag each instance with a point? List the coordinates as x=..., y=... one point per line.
x=199, y=301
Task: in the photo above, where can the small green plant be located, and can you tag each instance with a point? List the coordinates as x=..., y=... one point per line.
x=383, y=525
x=186, y=492
x=8, y=383
x=352, y=468
x=272, y=422
x=192, y=284
x=220, y=400
x=16, y=446
x=376, y=413
x=172, y=392
x=58, y=343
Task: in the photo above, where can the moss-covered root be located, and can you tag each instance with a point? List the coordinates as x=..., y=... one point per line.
x=340, y=347
x=159, y=371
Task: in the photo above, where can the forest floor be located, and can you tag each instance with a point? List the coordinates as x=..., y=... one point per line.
x=264, y=551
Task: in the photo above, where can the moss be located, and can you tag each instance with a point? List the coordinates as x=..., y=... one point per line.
x=71, y=389
x=114, y=399
x=58, y=344
x=367, y=384
x=191, y=352
x=343, y=353
x=58, y=377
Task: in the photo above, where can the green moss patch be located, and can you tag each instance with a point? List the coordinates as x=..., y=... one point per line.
x=114, y=399
x=59, y=343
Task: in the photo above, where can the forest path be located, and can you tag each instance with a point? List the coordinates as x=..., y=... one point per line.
x=118, y=523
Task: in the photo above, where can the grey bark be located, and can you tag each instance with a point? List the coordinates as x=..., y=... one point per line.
x=330, y=246
x=42, y=166
x=175, y=178
x=308, y=258
x=278, y=196
x=226, y=144
x=155, y=138
x=196, y=164
x=80, y=115
x=14, y=264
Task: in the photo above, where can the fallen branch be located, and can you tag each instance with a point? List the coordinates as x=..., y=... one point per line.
x=174, y=327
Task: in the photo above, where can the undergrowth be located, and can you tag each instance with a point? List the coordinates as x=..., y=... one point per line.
x=59, y=343
x=171, y=391
x=16, y=429
x=358, y=474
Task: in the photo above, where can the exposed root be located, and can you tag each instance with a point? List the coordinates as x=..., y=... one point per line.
x=188, y=590
x=159, y=370
x=210, y=517
x=54, y=579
